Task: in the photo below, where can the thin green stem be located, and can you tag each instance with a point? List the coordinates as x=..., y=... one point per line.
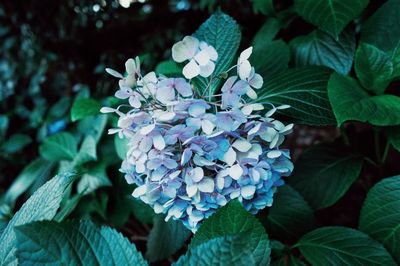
x=385, y=153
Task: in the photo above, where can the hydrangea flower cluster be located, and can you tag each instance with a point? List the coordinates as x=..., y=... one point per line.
x=189, y=155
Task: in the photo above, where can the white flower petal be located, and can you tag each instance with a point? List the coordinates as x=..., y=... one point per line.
x=191, y=190
x=166, y=116
x=191, y=70
x=206, y=185
x=245, y=55
x=230, y=156
x=130, y=66
x=207, y=70
x=114, y=73
x=244, y=69
x=202, y=58
x=147, y=129
x=185, y=49
x=197, y=174
x=139, y=191
x=242, y=145
x=274, y=154
x=106, y=110
x=247, y=192
x=207, y=126
x=256, y=81
x=158, y=142
x=251, y=93
x=235, y=171
x=220, y=182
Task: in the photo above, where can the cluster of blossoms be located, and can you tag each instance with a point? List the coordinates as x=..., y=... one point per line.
x=190, y=155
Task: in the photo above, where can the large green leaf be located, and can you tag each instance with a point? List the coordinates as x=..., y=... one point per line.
x=94, y=178
x=305, y=90
x=374, y=68
x=322, y=175
x=394, y=137
x=62, y=146
x=43, y=205
x=265, y=7
x=228, y=250
x=342, y=246
x=350, y=102
x=74, y=243
x=84, y=107
x=233, y=219
x=223, y=33
x=290, y=216
x=87, y=151
x=37, y=169
x=321, y=49
x=380, y=215
x=93, y=126
x=269, y=56
x=382, y=29
x=121, y=146
x=165, y=238
x=331, y=16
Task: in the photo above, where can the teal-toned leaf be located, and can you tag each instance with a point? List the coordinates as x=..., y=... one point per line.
x=321, y=49
x=305, y=90
x=62, y=146
x=288, y=260
x=233, y=219
x=331, y=16
x=266, y=33
x=37, y=169
x=4, y=122
x=226, y=250
x=382, y=30
x=67, y=208
x=165, y=238
x=93, y=126
x=222, y=32
x=87, y=152
x=168, y=68
x=74, y=243
x=43, y=205
x=323, y=174
x=342, y=246
x=15, y=143
x=374, y=68
x=142, y=212
x=350, y=102
x=84, y=107
x=290, y=216
x=121, y=146
x=93, y=179
x=380, y=216
x=265, y=7
x=394, y=137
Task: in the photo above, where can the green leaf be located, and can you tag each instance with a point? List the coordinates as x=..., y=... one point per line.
x=87, y=152
x=321, y=49
x=331, y=16
x=142, y=212
x=37, y=169
x=223, y=33
x=233, y=219
x=62, y=146
x=15, y=143
x=168, y=68
x=305, y=90
x=43, y=205
x=121, y=146
x=265, y=7
x=165, y=238
x=342, y=246
x=93, y=179
x=226, y=250
x=323, y=174
x=93, y=126
x=84, y=107
x=380, y=216
x=350, y=102
x=394, y=137
x=374, y=68
x=290, y=216
x=382, y=30
x=288, y=260
x=74, y=243
x=4, y=123
x=266, y=33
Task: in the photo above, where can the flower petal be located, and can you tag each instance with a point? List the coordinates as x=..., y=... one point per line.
x=230, y=156
x=185, y=49
x=236, y=171
x=114, y=73
x=202, y=58
x=158, y=142
x=207, y=70
x=247, y=192
x=191, y=70
x=206, y=185
x=242, y=145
